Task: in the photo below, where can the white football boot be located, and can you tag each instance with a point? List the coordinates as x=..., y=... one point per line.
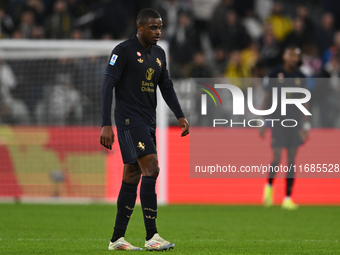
x=157, y=243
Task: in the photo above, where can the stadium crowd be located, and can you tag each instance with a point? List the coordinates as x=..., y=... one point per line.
x=207, y=38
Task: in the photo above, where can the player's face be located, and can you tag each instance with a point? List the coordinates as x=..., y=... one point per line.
x=151, y=30
x=291, y=57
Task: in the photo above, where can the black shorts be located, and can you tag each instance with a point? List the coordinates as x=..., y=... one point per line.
x=286, y=137
x=136, y=142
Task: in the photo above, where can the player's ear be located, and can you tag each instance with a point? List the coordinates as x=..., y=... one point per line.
x=139, y=28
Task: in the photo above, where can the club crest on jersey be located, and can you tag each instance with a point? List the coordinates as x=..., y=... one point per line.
x=140, y=60
x=149, y=74
x=141, y=146
x=113, y=59
x=159, y=62
x=139, y=54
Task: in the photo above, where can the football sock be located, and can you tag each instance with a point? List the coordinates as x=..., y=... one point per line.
x=148, y=200
x=290, y=179
x=117, y=233
x=272, y=173
x=125, y=205
x=150, y=233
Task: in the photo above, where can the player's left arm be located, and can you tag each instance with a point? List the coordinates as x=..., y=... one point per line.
x=168, y=93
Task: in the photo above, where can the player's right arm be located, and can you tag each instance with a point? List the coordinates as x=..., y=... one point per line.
x=113, y=73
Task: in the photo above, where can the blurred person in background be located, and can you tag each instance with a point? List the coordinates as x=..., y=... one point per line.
x=17, y=34
x=250, y=55
x=253, y=25
x=12, y=110
x=327, y=93
x=259, y=71
x=311, y=66
x=203, y=12
x=302, y=12
x=332, y=6
x=221, y=60
x=38, y=8
x=218, y=18
x=232, y=35
x=78, y=8
x=37, y=32
x=77, y=34
x=27, y=24
x=113, y=19
x=92, y=79
x=311, y=63
x=332, y=50
x=285, y=137
x=299, y=36
x=170, y=10
x=7, y=83
x=236, y=69
x=199, y=67
x=263, y=8
x=6, y=24
x=270, y=48
x=325, y=33
x=59, y=24
x=240, y=66
x=281, y=24
x=183, y=44
x=64, y=102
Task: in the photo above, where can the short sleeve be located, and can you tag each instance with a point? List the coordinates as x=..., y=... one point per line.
x=164, y=72
x=117, y=62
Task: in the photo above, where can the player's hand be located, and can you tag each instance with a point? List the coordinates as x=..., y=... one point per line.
x=107, y=137
x=304, y=134
x=184, y=125
x=262, y=131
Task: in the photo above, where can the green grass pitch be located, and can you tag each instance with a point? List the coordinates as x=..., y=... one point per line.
x=198, y=229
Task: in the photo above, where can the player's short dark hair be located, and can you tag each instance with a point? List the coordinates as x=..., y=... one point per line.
x=145, y=14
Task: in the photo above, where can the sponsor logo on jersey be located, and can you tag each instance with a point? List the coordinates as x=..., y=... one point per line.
x=140, y=60
x=139, y=54
x=149, y=74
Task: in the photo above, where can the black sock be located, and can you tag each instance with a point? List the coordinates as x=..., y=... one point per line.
x=272, y=173
x=289, y=182
x=150, y=233
x=148, y=200
x=117, y=233
x=125, y=205
x=290, y=179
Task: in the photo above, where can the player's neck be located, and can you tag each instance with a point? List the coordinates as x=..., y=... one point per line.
x=143, y=43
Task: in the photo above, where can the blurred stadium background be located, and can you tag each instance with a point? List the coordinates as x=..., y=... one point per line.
x=52, y=59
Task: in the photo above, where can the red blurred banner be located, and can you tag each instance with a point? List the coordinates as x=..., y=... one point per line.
x=70, y=162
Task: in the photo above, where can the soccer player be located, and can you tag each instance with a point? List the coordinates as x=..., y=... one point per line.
x=135, y=69
x=287, y=75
